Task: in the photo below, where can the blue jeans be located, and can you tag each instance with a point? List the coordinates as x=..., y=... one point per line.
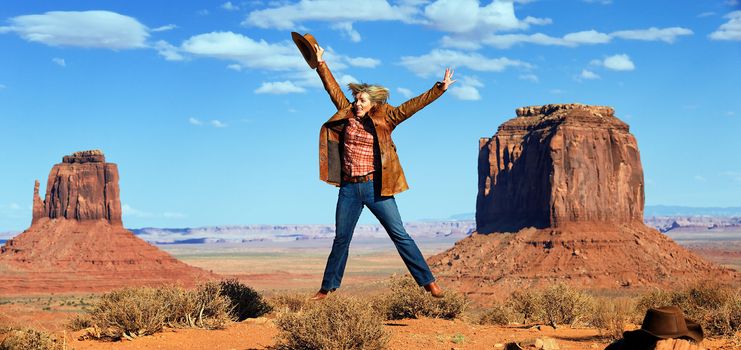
x=350, y=202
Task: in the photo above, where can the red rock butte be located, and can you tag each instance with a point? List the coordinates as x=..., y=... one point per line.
x=77, y=242
x=560, y=199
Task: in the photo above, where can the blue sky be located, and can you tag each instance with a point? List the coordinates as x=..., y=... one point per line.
x=213, y=117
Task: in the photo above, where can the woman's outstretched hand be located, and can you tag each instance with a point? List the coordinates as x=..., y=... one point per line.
x=448, y=78
x=319, y=53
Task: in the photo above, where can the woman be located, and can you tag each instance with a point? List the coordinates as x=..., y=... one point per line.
x=357, y=154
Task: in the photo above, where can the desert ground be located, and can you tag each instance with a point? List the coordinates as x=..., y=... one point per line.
x=297, y=266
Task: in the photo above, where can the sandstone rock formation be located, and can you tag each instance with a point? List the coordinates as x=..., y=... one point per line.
x=561, y=199
x=82, y=187
x=77, y=242
x=558, y=164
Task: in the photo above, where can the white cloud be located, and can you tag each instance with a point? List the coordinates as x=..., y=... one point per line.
x=437, y=60
x=279, y=87
x=465, y=16
x=164, y=28
x=129, y=211
x=229, y=6
x=706, y=14
x=194, y=121
x=93, y=29
x=530, y=77
x=602, y=2
x=730, y=30
x=734, y=175
x=588, y=75
x=347, y=30
x=203, y=12
x=245, y=51
x=168, y=51
x=587, y=37
x=362, y=62
x=290, y=16
x=347, y=79
x=620, y=62
x=218, y=124
x=404, y=92
x=667, y=35
x=556, y=91
x=235, y=67
x=467, y=89
x=59, y=61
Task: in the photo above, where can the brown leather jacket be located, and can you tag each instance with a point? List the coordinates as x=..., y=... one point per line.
x=385, y=119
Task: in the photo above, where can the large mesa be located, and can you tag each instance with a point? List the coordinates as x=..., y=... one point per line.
x=561, y=198
x=77, y=242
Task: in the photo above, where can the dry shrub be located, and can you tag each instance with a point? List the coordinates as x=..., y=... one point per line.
x=245, y=301
x=134, y=312
x=408, y=300
x=288, y=302
x=203, y=307
x=525, y=303
x=611, y=316
x=129, y=313
x=336, y=323
x=496, y=315
x=30, y=339
x=717, y=308
x=562, y=304
x=80, y=322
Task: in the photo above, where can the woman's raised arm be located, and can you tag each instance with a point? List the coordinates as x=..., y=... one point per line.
x=329, y=82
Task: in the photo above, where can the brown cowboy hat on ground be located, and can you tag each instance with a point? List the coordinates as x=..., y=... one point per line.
x=306, y=44
x=664, y=323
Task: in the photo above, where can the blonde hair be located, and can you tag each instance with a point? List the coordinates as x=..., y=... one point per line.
x=377, y=93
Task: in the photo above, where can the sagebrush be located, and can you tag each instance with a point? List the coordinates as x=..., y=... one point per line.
x=337, y=323
x=408, y=300
x=716, y=307
x=30, y=339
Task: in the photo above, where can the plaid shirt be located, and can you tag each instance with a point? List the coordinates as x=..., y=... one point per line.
x=359, y=153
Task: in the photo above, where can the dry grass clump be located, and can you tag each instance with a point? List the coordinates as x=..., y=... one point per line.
x=288, y=302
x=30, y=339
x=717, y=308
x=408, y=300
x=562, y=304
x=336, y=323
x=526, y=304
x=245, y=301
x=611, y=316
x=498, y=314
x=134, y=312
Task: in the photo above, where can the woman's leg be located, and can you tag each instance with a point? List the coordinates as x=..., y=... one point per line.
x=386, y=211
x=349, y=207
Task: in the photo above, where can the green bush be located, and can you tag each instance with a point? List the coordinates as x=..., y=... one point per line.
x=408, y=300
x=562, y=304
x=30, y=339
x=245, y=301
x=337, y=323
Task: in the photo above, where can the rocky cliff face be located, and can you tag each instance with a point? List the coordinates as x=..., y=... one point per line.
x=558, y=164
x=77, y=243
x=561, y=200
x=82, y=187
